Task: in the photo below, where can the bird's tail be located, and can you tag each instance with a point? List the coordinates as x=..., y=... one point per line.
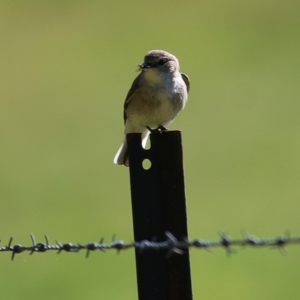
x=121, y=158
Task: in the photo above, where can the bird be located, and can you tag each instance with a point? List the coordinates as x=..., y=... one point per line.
x=155, y=98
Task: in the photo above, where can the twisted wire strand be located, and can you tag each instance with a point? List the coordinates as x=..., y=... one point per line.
x=171, y=244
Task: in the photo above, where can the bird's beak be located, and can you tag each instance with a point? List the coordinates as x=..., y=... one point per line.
x=144, y=66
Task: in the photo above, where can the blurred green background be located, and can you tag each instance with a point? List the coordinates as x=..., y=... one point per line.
x=66, y=67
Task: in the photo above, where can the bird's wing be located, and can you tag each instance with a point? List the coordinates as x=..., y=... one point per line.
x=186, y=81
x=130, y=93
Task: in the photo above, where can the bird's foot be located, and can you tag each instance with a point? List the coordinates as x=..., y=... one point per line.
x=159, y=129
x=162, y=128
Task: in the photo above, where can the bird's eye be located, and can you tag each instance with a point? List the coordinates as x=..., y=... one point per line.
x=162, y=62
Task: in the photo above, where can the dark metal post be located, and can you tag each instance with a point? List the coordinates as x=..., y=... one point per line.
x=158, y=206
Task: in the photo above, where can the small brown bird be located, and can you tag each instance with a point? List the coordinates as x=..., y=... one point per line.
x=156, y=96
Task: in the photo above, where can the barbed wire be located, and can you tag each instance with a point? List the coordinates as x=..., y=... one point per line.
x=171, y=243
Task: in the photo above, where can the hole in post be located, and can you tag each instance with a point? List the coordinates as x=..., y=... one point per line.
x=146, y=163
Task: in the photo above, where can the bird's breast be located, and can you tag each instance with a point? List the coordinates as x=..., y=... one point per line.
x=154, y=104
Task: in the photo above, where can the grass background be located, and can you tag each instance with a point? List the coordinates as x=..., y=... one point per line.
x=65, y=69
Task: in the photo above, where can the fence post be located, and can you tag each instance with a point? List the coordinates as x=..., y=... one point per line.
x=158, y=206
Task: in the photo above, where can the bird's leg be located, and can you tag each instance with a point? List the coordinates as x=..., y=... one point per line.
x=150, y=129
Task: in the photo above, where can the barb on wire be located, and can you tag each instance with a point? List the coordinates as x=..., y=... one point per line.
x=171, y=243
